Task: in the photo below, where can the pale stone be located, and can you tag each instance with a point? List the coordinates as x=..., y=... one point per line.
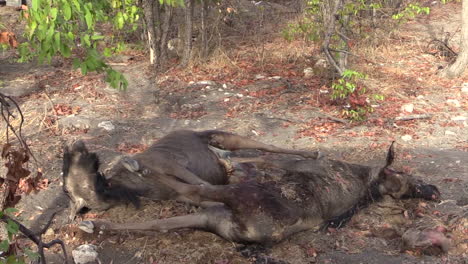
x=85, y=254
x=406, y=137
x=408, y=108
x=453, y=102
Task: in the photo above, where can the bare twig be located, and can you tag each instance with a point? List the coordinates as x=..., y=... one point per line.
x=5, y=103
x=338, y=120
x=411, y=117
x=37, y=239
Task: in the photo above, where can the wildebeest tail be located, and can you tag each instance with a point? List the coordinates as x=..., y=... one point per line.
x=117, y=192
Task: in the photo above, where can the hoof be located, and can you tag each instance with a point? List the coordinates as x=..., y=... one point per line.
x=86, y=226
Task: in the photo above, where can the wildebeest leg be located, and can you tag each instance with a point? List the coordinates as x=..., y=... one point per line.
x=168, y=168
x=75, y=207
x=216, y=219
x=204, y=204
x=262, y=162
x=184, y=175
x=198, y=220
x=231, y=141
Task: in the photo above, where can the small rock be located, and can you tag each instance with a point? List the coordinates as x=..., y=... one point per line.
x=275, y=78
x=321, y=63
x=453, y=102
x=107, y=125
x=406, y=137
x=420, y=97
x=212, y=83
x=459, y=118
x=239, y=95
x=85, y=254
x=464, y=88
x=308, y=72
x=226, y=99
x=49, y=233
x=224, y=86
x=450, y=133
x=408, y=108
x=259, y=76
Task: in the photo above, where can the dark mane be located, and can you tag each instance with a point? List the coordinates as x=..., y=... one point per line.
x=373, y=195
x=116, y=192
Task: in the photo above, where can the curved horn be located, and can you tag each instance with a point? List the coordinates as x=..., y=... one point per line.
x=390, y=155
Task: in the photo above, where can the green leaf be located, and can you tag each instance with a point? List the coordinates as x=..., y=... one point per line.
x=107, y=52
x=86, y=40
x=119, y=20
x=10, y=211
x=65, y=50
x=67, y=12
x=12, y=228
x=76, y=63
x=32, y=28
x=89, y=20
x=84, y=68
x=57, y=41
x=35, y=4
x=71, y=36
x=50, y=33
x=77, y=5
x=53, y=13
x=4, y=245
x=97, y=37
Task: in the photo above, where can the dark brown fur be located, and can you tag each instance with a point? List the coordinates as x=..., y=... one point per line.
x=310, y=194
x=184, y=154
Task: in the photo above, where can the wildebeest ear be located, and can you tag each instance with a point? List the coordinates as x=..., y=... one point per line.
x=390, y=155
x=79, y=146
x=130, y=164
x=393, y=181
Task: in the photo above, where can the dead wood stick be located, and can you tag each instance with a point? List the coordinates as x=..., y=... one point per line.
x=338, y=120
x=411, y=117
x=37, y=238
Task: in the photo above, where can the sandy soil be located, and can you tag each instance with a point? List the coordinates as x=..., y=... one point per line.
x=287, y=112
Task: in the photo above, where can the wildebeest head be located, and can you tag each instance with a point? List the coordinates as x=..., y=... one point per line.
x=401, y=185
x=86, y=186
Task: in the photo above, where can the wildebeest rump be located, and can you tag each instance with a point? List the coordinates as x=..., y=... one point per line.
x=310, y=194
x=184, y=154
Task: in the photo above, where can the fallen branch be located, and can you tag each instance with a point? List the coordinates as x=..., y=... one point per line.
x=411, y=117
x=336, y=119
x=37, y=238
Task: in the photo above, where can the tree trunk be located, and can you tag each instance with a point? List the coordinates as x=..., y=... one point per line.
x=149, y=19
x=204, y=31
x=330, y=9
x=459, y=66
x=166, y=22
x=188, y=32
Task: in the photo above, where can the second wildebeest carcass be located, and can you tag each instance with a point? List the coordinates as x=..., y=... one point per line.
x=189, y=156
x=312, y=193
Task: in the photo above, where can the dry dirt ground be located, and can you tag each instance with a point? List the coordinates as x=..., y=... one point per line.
x=282, y=108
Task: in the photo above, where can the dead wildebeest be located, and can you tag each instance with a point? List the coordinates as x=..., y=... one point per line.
x=186, y=155
x=312, y=193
